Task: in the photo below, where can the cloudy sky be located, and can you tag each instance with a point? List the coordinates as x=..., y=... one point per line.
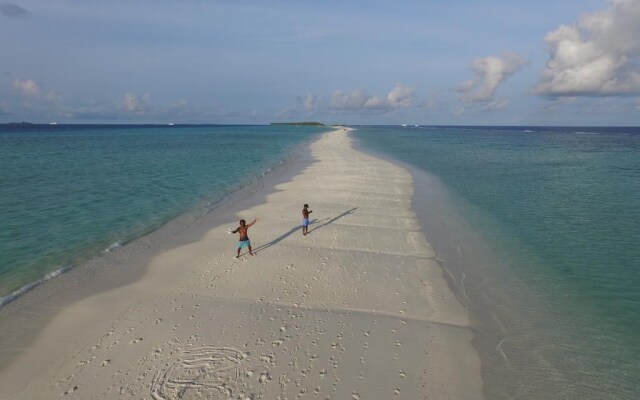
x=501, y=62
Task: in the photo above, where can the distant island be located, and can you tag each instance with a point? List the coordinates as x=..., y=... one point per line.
x=298, y=123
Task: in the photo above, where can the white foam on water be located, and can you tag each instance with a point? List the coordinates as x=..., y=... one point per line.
x=17, y=293
x=113, y=246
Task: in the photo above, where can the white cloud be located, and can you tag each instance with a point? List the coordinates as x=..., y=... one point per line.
x=41, y=104
x=27, y=87
x=466, y=86
x=401, y=96
x=140, y=108
x=135, y=104
x=304, y=107
x=310, y=102
x=354, y=100
x=475, y=107
x=30, y=88
x=496, y=105
x=181, y=104
x=375, y=102
x=435, y=101
x=490, y=73
x=597, y=56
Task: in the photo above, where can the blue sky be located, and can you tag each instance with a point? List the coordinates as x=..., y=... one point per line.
x=501, y=62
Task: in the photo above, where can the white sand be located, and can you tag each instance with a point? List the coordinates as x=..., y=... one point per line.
x=356, y=310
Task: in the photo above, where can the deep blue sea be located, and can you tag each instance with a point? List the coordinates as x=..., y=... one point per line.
x=68, y=193
x=538, y=229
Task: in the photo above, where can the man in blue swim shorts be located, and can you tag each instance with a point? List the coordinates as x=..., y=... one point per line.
x=244, y=238
x=305, y=219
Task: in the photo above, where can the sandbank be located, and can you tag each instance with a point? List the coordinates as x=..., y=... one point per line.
x=358, y=309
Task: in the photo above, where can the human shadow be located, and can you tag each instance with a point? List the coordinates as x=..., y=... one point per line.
x=332, y=220
x=280, y=238
x=285, y=235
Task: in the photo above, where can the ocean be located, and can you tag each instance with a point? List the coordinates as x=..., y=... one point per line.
x=71, y=192
x=537, y=230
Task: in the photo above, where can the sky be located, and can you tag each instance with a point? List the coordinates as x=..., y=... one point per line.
x=428, y=62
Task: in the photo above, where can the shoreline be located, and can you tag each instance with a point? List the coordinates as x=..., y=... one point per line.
x=366, y=279
x=97, y=255
x=449, y=232
x=506, y=324
x=107, y=270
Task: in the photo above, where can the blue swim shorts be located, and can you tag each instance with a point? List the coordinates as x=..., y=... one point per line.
x=305, y=222
x=244, y=243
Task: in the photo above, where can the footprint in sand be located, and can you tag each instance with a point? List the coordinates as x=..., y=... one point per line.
x=264, y=377
x=204, y=372
x=136, y=340
x=73, y=389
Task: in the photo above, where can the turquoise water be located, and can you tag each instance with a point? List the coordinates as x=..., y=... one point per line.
x=70, y=192
x=551, y=271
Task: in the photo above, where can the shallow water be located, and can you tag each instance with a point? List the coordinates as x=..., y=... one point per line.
x=537, y=228
x=72, y=192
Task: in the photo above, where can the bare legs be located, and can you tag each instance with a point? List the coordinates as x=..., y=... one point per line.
x=250, y=252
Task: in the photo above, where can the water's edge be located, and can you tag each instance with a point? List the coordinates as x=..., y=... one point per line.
x=536, y=233
x=23, y=318
x=424, y=184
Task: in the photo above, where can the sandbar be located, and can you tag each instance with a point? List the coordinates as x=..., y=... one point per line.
x=357, y=309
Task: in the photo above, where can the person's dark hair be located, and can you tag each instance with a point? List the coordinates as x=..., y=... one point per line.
x=306, y=205
x=242, y=221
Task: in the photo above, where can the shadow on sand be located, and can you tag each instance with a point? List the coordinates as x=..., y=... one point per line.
x=278, y=239
x=285, y=235
x=332, y=220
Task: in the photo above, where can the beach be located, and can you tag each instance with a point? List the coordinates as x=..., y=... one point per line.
x=358, y=309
